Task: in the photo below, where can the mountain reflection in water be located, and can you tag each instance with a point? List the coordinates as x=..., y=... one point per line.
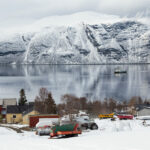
x=93, y=81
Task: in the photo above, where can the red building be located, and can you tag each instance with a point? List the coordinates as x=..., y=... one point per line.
x=34, y=119
x=2, y=111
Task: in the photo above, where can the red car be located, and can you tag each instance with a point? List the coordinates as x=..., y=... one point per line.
x=125, y=117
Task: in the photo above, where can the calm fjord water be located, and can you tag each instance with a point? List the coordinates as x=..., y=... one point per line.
x=94, y=81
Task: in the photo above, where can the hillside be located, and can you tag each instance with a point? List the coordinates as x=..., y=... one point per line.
x=115, y=41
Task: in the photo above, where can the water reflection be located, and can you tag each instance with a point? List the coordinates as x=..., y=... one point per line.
x=93, y=81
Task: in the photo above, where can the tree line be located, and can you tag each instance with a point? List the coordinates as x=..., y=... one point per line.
x=70, y=104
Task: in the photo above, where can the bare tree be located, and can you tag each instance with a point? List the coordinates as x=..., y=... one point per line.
x=70, y=102
x=112, y=105
x=61, y=109
x=44, y=103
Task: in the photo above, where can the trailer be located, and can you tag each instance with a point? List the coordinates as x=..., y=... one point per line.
x=68, y=130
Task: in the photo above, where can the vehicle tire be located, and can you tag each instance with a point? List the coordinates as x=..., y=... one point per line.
x=40, y=134
x=94, y=126
x=75, y=135
x=112, y=119
x=84, y=126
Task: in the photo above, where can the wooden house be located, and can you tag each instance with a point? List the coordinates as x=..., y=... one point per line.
x=19, y=114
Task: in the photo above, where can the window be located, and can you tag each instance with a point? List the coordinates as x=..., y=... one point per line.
x=3, y=112
x=14, y=116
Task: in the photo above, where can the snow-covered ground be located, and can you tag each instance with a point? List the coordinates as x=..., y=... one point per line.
x=116, y=135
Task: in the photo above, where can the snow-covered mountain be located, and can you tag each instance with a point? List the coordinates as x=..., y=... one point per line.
x=120, y=41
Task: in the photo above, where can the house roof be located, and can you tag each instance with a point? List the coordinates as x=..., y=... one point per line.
x=30, y=109
x=19, y=109
x=140, y=107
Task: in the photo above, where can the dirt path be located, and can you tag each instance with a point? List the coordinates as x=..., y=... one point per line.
x=18, y=130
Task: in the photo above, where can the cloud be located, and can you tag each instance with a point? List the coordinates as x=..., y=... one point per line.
x=124, y=7
x=15, y=12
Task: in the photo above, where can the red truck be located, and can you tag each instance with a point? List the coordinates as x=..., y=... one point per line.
x=125, y=117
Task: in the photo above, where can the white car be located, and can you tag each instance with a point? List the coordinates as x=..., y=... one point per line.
x=44, y=127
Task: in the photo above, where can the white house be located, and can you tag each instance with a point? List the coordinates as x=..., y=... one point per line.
x=9, y=101
x=143, y=111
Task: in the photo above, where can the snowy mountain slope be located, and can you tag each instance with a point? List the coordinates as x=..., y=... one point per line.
x=120, y=42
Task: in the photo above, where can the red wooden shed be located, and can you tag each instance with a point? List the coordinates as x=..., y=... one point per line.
x=0, y=109
x=34, y=119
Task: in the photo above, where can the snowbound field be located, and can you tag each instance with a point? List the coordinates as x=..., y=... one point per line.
x=112, y=135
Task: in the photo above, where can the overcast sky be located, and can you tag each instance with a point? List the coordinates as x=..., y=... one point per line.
x=15, y=12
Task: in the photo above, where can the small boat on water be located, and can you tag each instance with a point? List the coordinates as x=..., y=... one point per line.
x=120, y=71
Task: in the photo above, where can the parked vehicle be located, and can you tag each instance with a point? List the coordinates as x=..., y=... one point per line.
x=83, y=121
x=45, y=130
x=68, y=130
x=106, y=116
x=125, y=117
x=44, y=127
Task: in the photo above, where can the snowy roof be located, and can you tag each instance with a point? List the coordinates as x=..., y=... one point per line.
x=140, y=107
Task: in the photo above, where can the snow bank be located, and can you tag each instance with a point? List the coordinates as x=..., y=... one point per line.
x=112, y=135
x=119, y=125
x=144, y=117
x=5, y=131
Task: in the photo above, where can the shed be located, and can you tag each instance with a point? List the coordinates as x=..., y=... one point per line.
x=1, y=109
x=26, y=115
x=34, y=119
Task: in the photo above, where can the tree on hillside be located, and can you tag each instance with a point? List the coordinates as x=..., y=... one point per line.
x=22, y=99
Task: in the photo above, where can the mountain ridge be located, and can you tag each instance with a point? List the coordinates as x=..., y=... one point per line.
x=104, y=43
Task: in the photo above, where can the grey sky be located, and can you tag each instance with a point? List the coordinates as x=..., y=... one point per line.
x=26, y=11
